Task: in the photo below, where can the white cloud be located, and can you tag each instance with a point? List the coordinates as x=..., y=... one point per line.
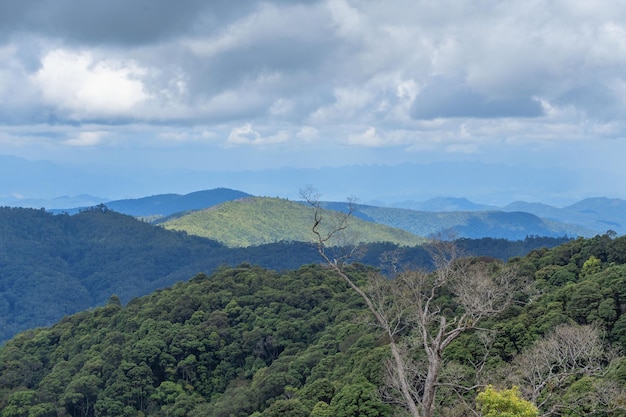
x=84, y=87
x=88, y=138
x=308, y=134
x=368, y=138
x=348, y=102
x=246, y=135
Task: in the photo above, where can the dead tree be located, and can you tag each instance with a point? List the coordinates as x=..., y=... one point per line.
x=569, y=352
x=406, y=307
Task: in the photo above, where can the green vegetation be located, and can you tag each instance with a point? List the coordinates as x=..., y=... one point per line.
x=260, y=220
x=496, y=224
x=240, y=341
x=51, y=266
x=249, y=341
x=504, y=403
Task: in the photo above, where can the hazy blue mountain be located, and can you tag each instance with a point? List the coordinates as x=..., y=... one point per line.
x=540, y=209
x=477, y=224
x=490, y=184
x=164, y=205
x=599, y=214
x=83, y=200
x=444, y=204
x=465, y=224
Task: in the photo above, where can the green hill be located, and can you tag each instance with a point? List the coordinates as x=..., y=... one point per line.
x=246, y=341
x=261, y=220
x=54, y=265
x=230, y=344
x=467, y=224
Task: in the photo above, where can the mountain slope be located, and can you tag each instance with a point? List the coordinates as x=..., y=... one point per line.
x=167, y=204
x=54, y=265
x=260, y=220
x=225, y=345
x=598, y=214
x=444, y=204
x=466, y=224
x=251, y=342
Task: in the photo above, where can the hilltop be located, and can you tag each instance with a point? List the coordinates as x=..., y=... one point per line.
x=260, y=220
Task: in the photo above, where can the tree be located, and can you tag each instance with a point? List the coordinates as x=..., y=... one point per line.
x=408, y=307
x=570, y=353
x=505, y=403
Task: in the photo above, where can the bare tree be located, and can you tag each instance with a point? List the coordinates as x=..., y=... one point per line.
x=406, y=307
x=571, y=351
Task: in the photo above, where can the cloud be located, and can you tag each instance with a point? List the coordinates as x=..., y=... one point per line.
x=246, y=135
x=86, y=139
x=404, y=76
x=115, y=21
x=367, y=138
x=444, y=98
x=76, y=83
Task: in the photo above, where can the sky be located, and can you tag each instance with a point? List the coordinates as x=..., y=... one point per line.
x=161, y=86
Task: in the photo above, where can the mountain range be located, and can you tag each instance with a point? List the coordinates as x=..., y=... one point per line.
x=457, y=216
x=492, y=184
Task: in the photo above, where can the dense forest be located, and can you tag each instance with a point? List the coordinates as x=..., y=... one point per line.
x=54, y=265
x=250, y=341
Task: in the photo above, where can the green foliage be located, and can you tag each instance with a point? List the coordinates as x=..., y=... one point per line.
x=504, y=403
x=359, y=399
x=248, y=341
x=242, y=340
x=55, y=265
x=261, y=220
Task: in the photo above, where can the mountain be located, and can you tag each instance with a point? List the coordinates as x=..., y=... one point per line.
x=598, y=214
x=53, y=265
x=492, y=184
x=164, y=205
x=261, y=220
x=241, y=340
x=247, y=341
x=445, y=204
x=465, y=224
x=57, y=204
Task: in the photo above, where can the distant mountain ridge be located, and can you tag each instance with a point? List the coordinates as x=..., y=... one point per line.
x=444, y=204
x=466, y=224
x=599, y=214
x=456, y=214
x=459, y=216
x=163, y=205
x=168, y=204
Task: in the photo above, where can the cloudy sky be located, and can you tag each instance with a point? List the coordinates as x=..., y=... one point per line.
x=162, y=84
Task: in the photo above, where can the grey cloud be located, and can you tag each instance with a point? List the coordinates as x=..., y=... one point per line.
x=445, y=98
x=597, y=100
x=116, y=21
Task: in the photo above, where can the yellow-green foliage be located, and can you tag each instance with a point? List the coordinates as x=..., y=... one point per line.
x=260, y=220
x=504, y=403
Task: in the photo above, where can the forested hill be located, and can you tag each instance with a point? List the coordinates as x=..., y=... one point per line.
x=53, y=265
x=259, y=220
x=248, y=341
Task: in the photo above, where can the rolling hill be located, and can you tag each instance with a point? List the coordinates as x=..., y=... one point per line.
x=466, y=224
x=599, y=214
x=260, y=220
